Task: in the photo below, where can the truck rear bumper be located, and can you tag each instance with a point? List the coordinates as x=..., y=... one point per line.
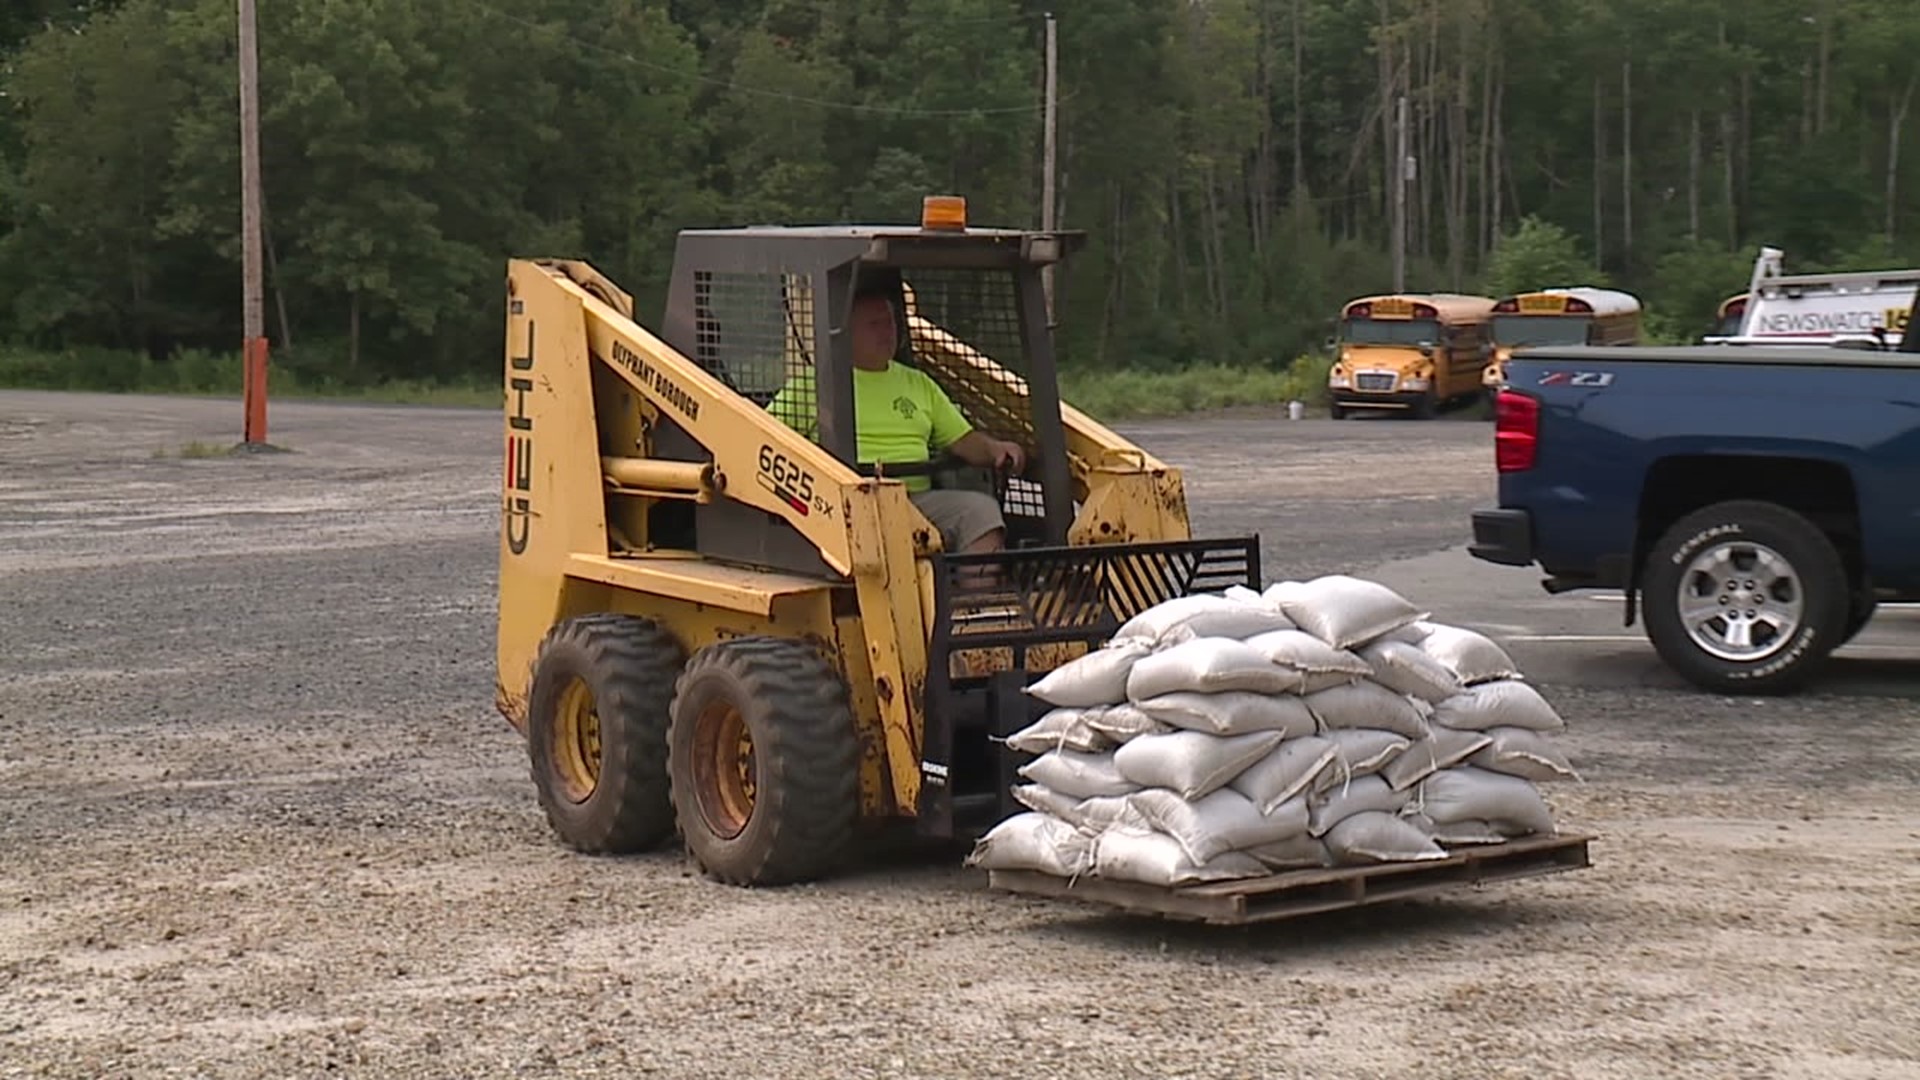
x=1503, y=536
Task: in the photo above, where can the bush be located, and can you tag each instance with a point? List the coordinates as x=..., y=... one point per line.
x=1115, y=395
x=197, y=371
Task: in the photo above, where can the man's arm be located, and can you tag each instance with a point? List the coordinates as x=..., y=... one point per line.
x=952, y=433
x=978, y=448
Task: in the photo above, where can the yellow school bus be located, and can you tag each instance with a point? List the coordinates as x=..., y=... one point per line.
x=1412, y=352
x=1577, y=316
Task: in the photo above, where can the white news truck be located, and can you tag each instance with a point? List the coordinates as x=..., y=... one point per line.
x=1863, y=309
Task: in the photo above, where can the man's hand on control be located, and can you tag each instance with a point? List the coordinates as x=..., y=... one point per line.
x=980, y=449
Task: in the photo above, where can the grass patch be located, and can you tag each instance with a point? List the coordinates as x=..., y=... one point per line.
x=1118, y=395
x=200, y=373
x=1104, y=395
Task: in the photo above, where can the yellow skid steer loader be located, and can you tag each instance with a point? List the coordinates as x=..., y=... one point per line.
x=716, y=626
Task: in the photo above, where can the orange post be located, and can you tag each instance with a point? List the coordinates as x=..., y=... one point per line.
x=254, y=376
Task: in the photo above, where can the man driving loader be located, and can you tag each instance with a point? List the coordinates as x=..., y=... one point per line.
x=902, y=417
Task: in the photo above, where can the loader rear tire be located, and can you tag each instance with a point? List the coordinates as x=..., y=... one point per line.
x=764, y=761
x=597, y=731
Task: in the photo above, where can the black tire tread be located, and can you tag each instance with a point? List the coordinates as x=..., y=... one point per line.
x=808, y=754
x=635, y=662
x=1829, y=600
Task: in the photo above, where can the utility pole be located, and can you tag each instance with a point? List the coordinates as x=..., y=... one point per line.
x=1047, y=198
x=1401, y=173
x=254, y=342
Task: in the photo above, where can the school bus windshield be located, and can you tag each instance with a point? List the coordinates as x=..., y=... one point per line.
x=1539, y=330
x=1390, y=331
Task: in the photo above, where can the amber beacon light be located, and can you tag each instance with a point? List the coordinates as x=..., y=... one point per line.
x=943, y=213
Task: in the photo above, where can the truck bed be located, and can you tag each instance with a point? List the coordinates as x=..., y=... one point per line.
x=1766, y=355
x=1305, y=892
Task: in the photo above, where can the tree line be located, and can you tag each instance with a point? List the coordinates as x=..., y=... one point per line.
x=1234, y=162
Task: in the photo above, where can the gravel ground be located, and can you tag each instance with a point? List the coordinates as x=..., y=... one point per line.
x=258, y=819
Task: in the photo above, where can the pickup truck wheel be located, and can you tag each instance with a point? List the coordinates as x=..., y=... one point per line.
x=1745, y=598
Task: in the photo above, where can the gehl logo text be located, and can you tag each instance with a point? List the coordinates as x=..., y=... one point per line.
x=519, y=494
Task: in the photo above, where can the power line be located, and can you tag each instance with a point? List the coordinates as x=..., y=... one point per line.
x=781, y=95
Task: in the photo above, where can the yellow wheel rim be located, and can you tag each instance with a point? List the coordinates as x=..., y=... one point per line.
x=725, y=776
x=576, y=743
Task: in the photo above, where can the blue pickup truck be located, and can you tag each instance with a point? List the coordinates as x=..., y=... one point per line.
x=1755, y=504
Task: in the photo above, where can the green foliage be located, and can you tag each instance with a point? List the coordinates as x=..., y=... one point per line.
x=1538, y=255
x=1118, y=395
x=202, y=373
x=1690, y=283
x=1229, y=162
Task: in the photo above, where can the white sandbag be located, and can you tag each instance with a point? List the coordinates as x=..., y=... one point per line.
x=1223, y=821
x=1208, y=665
x=1058, y=729
x=1081, y=775
x=1044, y=800
x=1469, y=654
x=1243, y=595
x=1520, y=752
x=1413, y=633
x=1287, y=771
x=1367, y=704
x=1464, y=793
x=1404, y=669
x=1098, y=678
x=1157, y=859
x=1506, y=703
x=1360, y=752
x=1298, y=853
x=1458, y=832
x=1190, y=762
x=1110, y=812
x=1312, y=682
x=1442, y=748
x=1089, y=815
x=1375, y=836
x=1347, y=611
x=1278, y=592
x=1234, y=712
x=1122, y=723
x=1198, y=616
x=1034, y=841
x=1330, y=808
x=1305, y=653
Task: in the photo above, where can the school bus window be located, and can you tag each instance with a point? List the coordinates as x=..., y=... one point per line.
x=1390, y=331
x=1539, y=330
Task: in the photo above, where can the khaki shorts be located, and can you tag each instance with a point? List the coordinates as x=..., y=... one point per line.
x=961, y=516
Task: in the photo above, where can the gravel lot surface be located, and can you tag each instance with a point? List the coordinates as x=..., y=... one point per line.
x=258, y=818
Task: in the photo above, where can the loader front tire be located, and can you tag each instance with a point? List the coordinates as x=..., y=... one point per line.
x=764, y=762
x=597, y=731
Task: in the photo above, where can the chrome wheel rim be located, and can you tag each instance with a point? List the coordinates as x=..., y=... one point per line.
x=1741, y=601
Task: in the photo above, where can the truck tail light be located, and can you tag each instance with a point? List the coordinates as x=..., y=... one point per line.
x=1516, y=431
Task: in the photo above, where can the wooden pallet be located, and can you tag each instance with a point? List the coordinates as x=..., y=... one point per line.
x=1304, y=892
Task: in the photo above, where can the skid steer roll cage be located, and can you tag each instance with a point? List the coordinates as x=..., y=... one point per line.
x=754, y=306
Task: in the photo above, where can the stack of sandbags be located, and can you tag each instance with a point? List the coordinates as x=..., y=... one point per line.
x=1320, y=723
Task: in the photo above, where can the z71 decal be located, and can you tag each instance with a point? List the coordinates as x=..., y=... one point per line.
x=1577, y=378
